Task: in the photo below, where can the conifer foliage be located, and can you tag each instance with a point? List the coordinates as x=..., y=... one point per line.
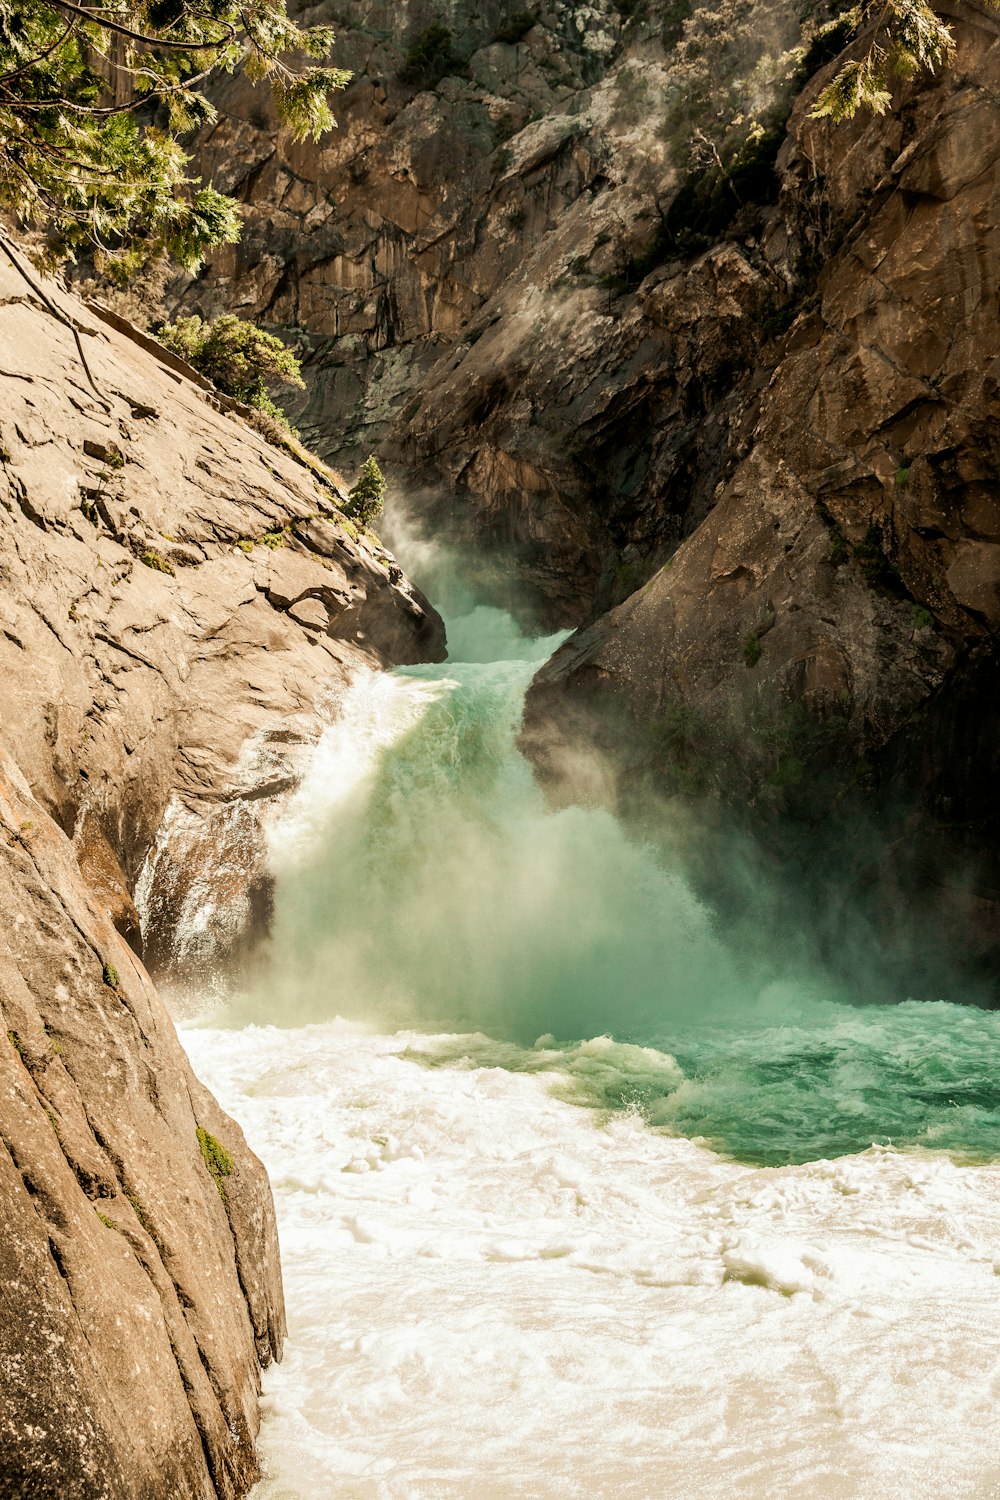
x=236, y=356
x=366, y=499
x=93, y=99
x=898, y=39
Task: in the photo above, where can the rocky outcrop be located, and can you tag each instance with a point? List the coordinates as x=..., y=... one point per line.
x=461, y=267
x=813, y=651
x=141, y=1293
x=182, y=604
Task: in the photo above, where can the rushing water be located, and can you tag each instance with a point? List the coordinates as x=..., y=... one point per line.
x=574, y=1199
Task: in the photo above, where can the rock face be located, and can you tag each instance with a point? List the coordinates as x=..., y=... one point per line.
x=462, y=267
x=182, y=603
x=140, y=1296
x=182, y=606
x=410, y=233
x=823, y=644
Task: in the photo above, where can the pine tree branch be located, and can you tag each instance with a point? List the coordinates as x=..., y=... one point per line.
x=34, y=61
x=94, y=18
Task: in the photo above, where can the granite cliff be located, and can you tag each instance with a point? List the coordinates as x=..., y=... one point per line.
x=820, y=651
x=182, y=605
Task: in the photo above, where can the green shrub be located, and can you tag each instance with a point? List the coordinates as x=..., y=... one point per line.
x=366, y=499
x=753, y=650
x=15, y=1042
x=827, y=43
x=709, y=200
x=675, y=13
x=85, y=167
x=216, y=1158
x=156, y=562
x=429, y=58
x=110, y=976
x=907, y=38
x=240, y=359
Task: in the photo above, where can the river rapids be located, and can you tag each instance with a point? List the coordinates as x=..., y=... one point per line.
x=573, y=1200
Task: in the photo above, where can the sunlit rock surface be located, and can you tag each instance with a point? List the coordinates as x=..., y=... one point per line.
x=140, y=1296
x=182, y=604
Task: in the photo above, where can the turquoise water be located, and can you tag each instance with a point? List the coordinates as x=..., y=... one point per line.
x=833, y=1080
x=424, y=883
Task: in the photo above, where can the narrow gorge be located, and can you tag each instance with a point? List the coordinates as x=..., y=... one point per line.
x=580, y=883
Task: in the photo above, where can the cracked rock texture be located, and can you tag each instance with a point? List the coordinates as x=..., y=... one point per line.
x=138, y=1303
x=181, y=605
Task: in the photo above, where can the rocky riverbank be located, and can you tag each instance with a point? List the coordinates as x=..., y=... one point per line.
x=182, y=605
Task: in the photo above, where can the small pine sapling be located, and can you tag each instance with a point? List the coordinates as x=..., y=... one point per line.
x=366, y=499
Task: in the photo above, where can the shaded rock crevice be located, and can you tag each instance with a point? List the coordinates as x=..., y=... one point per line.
x=859, y=526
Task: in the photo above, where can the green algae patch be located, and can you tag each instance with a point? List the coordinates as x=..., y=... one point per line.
x=216, y=1158
x=140, y=1214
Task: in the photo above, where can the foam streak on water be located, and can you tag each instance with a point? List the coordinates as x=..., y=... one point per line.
x=712, y=1234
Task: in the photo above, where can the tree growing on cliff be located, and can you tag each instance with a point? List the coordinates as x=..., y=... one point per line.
x=366, y=499
x=903, y=38
x=94, y=100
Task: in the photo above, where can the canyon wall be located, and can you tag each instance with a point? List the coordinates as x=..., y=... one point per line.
x=182, y=604
x=745, y=441
x=821, y=650
x=411, y=233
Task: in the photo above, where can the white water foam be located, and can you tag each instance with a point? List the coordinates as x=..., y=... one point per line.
x=496, y=1294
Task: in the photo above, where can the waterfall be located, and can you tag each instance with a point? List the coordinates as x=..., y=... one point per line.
x=575, y=1199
